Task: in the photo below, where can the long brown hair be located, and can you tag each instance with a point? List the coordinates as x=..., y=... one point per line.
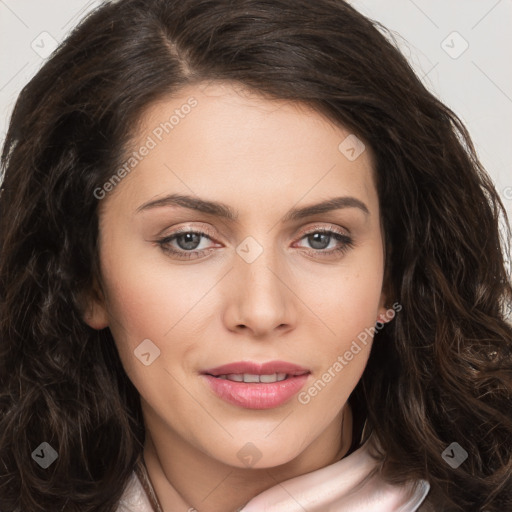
x=441, y=372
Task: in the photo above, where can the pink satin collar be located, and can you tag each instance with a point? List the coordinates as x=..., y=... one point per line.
x=342, y=486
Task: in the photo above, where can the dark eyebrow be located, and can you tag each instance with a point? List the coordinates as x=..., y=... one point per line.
x=225, y=211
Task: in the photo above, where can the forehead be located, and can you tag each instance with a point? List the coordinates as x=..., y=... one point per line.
x=225, y=140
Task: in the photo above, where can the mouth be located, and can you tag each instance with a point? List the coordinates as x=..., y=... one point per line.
x=256, y=386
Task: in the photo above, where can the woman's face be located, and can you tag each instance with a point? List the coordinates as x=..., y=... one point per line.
x=259, y=285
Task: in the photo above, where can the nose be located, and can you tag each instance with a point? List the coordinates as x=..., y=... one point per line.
x=261, y=299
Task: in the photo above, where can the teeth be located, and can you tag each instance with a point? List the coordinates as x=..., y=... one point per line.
x=250, y=377
x=275, y=377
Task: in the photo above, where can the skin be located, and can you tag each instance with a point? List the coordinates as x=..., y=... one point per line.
x=261, y=157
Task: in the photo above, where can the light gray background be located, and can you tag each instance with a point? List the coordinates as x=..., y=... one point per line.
x=476, y=82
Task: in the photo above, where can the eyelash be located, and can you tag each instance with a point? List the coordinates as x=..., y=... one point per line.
x=348, y=243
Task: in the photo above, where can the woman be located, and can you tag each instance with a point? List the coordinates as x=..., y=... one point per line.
x=248, y=262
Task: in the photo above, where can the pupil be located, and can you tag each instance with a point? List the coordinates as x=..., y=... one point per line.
x=316, y=239
x=191, y=240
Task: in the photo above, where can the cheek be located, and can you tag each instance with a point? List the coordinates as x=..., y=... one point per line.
x=348, y=307
x=149, y=299
x=146, y=293
x=348, y=302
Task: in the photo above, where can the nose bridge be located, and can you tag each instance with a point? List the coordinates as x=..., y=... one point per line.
x=256, y=262
x=262, y=299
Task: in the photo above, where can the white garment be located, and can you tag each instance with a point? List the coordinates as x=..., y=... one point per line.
x=339, y=487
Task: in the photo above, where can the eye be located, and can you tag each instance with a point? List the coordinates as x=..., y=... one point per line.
x=187, y=241
x=321, y=238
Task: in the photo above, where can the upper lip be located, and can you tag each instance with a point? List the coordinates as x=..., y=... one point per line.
x=257, y=368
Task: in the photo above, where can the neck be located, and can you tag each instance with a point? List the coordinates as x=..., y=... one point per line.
x=186, y=479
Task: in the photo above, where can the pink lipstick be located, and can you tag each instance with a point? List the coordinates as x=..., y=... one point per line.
x=256, y=386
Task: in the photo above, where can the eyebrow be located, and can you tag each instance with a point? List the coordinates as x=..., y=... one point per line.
x=224, y=211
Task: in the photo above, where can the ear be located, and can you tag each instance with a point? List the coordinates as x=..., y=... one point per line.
x=385, y=314
x=94, y=311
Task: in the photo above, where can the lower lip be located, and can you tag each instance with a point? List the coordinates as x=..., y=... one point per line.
x=257, y=395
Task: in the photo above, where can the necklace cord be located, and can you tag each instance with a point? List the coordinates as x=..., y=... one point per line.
x=142, y=473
